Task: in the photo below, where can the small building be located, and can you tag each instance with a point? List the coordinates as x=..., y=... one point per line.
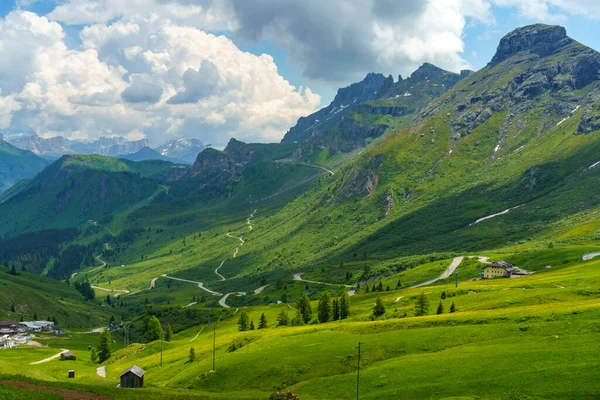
x=9, y=328
x=132, y=377
x=67, y=355
x=503, y=269
x=71, y=373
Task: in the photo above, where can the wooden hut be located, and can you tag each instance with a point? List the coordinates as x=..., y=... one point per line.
x=67, y=355
x=132, y=377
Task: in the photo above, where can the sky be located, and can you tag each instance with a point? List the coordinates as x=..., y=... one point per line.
x=217, y=69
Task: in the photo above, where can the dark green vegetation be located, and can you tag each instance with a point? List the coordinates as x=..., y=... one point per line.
x=517, y=142
x=17, y=164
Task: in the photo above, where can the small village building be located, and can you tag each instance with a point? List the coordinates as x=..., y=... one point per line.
x=132, y=377
x=71, y=373
x=503, y=269
x=67, y=355
x=9, y=328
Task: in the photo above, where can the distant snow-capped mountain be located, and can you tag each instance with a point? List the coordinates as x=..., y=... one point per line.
x=183, y=149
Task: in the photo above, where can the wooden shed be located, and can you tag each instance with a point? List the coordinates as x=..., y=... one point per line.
x=67, y=355
x=132, y=377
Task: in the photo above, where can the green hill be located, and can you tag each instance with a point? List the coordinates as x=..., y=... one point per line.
x=17, y=164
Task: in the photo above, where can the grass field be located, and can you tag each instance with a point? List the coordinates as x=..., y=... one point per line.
x=528, y=338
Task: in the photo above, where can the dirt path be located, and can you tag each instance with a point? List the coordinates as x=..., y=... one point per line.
x=319, y=167
x=153, y=282
x=191, y=304
x=223, y=300
x=589, y=256
x=110, y=290
x=497, y=214
x=54, y=357
x=197, y=334
x=241, y=238
x=200, y=284
x=101, y=371
x=67, y=394
x=249, y=218
x=449, y=271
x=298, y=277
x=235, y=253
x=260, y=289
x=95, y=330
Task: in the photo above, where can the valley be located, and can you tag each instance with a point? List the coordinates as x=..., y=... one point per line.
x=374, y=221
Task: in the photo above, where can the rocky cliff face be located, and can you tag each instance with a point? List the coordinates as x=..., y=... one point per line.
x=342, y=106
x=536, y=66
x=539, y=38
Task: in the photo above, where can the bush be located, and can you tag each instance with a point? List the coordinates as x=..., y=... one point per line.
x=238, y=343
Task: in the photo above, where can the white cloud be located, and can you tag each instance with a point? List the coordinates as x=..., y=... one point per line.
x=553, y=10
x=120, y=79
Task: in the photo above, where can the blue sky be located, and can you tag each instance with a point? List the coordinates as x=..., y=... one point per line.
x=161, y=69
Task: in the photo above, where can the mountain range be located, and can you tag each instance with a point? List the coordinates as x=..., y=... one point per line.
x=178, y=150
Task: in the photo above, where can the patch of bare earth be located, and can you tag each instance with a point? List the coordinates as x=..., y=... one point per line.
x=67, y=394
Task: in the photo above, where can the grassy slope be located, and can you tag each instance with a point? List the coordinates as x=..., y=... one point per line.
x=17, y=164
x=541, y=331
x=30, y=294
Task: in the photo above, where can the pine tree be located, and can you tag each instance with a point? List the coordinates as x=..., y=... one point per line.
x=94, y=356
x=12, y=308
x=154, y=331
x=373, y=288
x=421, y=305
x=367, y=289
x=452, y=308
x=252, y=325
x=35, y=316
x=399, y=284
x=335, y=309
x=108, y=300
x=192, y=356
x=169, y=333
x=324, y=307
x=262, y=323
x=380, y=287
x=13, y=270
x=440, y=309
x=243, y=322
x=345, y=306
x=387, y=289
x=443, y=296
x=283, y=319
x=379, y=308
x=104, y=349
x=297, y=320
x=303, y=305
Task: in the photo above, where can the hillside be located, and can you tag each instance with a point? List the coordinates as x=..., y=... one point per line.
x=75, y=189
x=146, y=153
x=17, y=164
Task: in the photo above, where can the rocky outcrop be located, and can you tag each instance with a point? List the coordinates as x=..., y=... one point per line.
x=362, y=180
x=350, y=135
x=389, y=202
x=341, y=107
x=539, y=38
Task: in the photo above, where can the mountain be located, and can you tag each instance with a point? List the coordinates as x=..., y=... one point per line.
x=146, y=153
x=182, y=149
x=17, y=164
x=114, y=146
x=78, y=188
x=355, y=126
x=344, y=103
x=51, y=148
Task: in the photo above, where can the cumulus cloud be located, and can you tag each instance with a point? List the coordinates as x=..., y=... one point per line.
x=141, y=91
x=142, y=75
x=197, y=84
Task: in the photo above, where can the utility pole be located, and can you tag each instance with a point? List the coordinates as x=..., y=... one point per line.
x=358, y=372
x=456, y=273
x=126, y=337
x=161, y=345
x=214, y=344
x=209, y=311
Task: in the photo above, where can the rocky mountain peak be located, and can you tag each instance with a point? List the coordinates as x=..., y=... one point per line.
x=426, y=71
x=539, y=38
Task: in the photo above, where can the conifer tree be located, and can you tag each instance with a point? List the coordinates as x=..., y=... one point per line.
x=443, y=296
x=380, y=287
x=94, y=356
x=262, y=323
x=297, y=320
x=303, y=306
x=192, y=355
x=440, y=309
x=379, y=308
x=169, y=333
x=345, y=305
x=452, y=308
x=335, y=309
x=421, y=305
x=243, y=321
x=252, y=325
x=105, y=347
x=283, y=319
x=324, y=307
x=154, y=331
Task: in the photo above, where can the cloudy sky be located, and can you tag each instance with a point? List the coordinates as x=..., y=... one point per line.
x=216, y=69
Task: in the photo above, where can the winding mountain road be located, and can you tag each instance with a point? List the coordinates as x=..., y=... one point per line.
x=260, y=289
x=200, y=284
x=450, y=270
x=589, y=256
x=217, y=270
x=223, y=300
